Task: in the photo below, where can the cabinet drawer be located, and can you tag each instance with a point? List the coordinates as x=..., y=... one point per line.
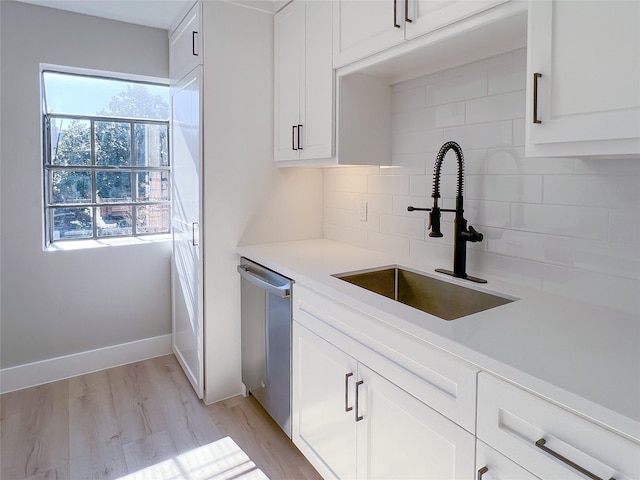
x=492, y=465
x=515, y=421
x=444, y=382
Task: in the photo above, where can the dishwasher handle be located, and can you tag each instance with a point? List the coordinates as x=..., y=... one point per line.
x=281, y=291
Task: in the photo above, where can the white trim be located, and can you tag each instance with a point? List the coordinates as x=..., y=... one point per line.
x=59, y=368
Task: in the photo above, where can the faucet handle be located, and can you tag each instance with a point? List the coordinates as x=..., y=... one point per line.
x=434, y=222
x=474, y=235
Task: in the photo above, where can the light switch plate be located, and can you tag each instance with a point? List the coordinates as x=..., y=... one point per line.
x=363, y=211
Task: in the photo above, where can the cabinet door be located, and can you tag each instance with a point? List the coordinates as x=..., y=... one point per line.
x=588, y=100
x=401, y=437
x=316, y=98
x=428, y=15
x=324, y=428
x=492, y=465
x=185, y=45
x=186, y=282
x=289, y=58
x=364, y=27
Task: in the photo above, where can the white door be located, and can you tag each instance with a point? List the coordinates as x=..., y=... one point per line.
x=400, y=437
x=187, y=267
x=362, y=28
x=587, y=55
x=428, y=15
x=288, y=58
x=316, y=93
x=324, y=426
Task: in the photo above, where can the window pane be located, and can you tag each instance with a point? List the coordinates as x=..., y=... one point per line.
x=152, y=186
x=87, y=95
x=151, y=145
x=152, y=218
x=70, y=142
x=76, y=222
x=70, y=186
x=114, y=220
x=113, y=143
x=113, y=186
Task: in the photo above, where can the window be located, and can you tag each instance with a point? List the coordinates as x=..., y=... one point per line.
x=106, y=157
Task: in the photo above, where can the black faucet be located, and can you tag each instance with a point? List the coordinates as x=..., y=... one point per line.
x=461, y=233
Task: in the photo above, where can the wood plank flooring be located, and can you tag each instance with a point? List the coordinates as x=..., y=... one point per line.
x=140, y=421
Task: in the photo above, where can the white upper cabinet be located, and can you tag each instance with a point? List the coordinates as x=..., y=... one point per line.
x=362, y=28
x=583, y=78
x=303, y=88
x=185, y=44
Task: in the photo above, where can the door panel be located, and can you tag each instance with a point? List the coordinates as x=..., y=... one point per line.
x=322, y=429
x=187, y=286
x=402, y=438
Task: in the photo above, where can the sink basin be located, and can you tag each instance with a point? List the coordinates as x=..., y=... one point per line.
x=429, y=294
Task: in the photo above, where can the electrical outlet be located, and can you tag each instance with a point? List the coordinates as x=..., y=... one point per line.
x=363, y=211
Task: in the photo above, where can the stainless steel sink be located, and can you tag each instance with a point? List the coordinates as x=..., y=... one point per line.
x=429, y=294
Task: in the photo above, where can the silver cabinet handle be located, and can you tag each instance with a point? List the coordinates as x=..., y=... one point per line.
x=536, y=76
x=194, y=242
x=358, y=416
x=482, y=471
x=541, y=445
x=347, y=408
x=193, y=43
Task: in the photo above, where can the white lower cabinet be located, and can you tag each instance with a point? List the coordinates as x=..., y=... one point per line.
x=549, y=441
x=492, y=465
x=350, y=422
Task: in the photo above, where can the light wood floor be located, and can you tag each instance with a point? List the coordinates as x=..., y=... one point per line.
x=140, y=421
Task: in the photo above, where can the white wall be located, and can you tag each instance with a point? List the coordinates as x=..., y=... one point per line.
x=60, y=303
x=566, y=226
x=247, y=199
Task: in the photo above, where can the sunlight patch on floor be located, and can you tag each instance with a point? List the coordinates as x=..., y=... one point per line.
x=220, y=460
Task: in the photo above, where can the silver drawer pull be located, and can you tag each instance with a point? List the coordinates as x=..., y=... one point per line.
x=541, y=445
x=347, y=408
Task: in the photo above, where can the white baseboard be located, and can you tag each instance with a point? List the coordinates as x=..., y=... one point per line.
x=59, y=368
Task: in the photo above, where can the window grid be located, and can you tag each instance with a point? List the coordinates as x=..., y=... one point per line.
x=94, y=168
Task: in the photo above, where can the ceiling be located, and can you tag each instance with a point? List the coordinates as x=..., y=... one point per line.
x=152, y=13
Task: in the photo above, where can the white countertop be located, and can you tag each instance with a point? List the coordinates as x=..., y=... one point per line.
x=582, y=356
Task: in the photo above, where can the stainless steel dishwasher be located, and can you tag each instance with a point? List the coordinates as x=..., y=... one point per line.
x=266, y=339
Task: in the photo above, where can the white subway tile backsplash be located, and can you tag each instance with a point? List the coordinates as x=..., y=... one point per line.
x=509, y=78
x=506, y=106
x=389, y=184
x=624, y=227
x=409, y=227
x=404, y=100
x=505, y=188
x=571, y=221
x=391, y=244
x=350, y=235
x=507, y=269
x=623, y=260
x=483, y=135
x=417, y=142
x=509, y=161
x=607, y=290
x=450, y=115
x=530, y=246
x=518, y=132
x=456, y=89
x=591, y=190
x=566, y=226
x=345, y=183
